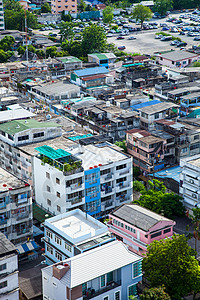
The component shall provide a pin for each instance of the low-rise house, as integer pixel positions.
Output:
(189, 181)
(107, 272)
(9, 286)
(70, 62)
(16, 220)
(102, 59)
(73, 233)
(177, 58)
(138, 227)
(189, 102)
(176, 94)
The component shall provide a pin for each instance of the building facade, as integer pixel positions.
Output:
(73, 233)
(2, 25)
(57, 6)
(9, 286)
(109, 272)
(138, 227)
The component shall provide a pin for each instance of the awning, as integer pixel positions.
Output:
(27, 247)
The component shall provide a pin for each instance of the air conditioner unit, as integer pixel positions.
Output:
(194, 196)
(191, 181)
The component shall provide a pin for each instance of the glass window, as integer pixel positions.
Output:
(167, 230)
(156, 234)
(49, 234)
(117, 295)
(48, 189)
(3, 284)
(47, 175)
(58, 194)
(137, 269)
(106, 298)
(58, 255)
(132, 290)
(57, 180)
(50, 249)
(68, 247)
(48, 202)
(2, 267)
(103, 281)
(58, 240)
(58, 208)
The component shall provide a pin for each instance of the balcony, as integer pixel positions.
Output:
(3, 221)
(74, 200)
(22, 216)
(122, 186)
(125, 171)
(92, 293)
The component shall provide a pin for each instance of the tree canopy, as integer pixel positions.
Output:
(155, 294)
(108, 14)
(66, 31)
(93, 39)
(141, 13)
(45, 8)
(172, 263)
(156, 199)
(162, 6)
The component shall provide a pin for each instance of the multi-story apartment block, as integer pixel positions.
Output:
(137, 226)
(146, 149)
(15, 134)
(109, 272)
(57, 6)
(9, 287)
(15, 208)
(2, 25)
(95, 178)
(72, 233)
(190, 181)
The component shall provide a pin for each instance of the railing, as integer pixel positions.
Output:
(2, 222)
(91, 293)
(22, 216)
(74, 171)
(74, 200)
(124, 172)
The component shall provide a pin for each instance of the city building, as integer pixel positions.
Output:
(16, 220)
(138, 227)
(102, 59)
(57, 6)
(2, 25)
(9, 286)
(109, 272)
(189, 181)
(72, 233)
(177, 58)
(94, 178)
(70, 62)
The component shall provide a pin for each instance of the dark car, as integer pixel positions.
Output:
(181, 44)
(121, 47)
(120, 37)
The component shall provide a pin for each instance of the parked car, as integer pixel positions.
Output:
(131, 38)
(120, 38)
(121, 47)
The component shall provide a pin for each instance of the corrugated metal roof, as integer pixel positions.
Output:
(144, 104)
(91, 71)
(93, 77)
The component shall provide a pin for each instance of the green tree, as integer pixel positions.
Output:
(88, 8)
(156, 199)
(196, 64)
(4, 56)
(162, 6)
(108, 14)
(40, 53)
(51, 51)
(138, 186)
(93, 39)
(122, 144)
(7, 42)
(66, 31)
(12, 5)
(155, 294)
(172, 263)
(81, 6)
(21, 50)
(45, 8)
(16, 19)
(66, 17)
(141, 13)
(195, 217)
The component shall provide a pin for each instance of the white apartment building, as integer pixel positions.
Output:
(190, 181)
(9, 287)
(16, 220)
(94, 178)
(2, 25)
(72, 233)
(16, 134)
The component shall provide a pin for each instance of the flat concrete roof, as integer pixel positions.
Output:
(9, 181)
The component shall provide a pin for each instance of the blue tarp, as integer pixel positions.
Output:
(172, 173)
(91, 71)
(144, 104)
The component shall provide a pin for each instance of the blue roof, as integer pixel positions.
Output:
(91, 71)
(144, 104)
(172, 173)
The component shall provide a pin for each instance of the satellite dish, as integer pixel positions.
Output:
(48, 117)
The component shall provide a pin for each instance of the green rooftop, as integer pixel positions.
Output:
(52, 153)
(100, 56)
(69, 59)
(16, 126)
(39, 214)
(76, 100)
(78, 137)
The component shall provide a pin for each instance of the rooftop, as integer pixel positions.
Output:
(76, 226)
(172, 173)
(94, 263)
(57, 88)
(5, 245)
(15, 114)
(69, 59)
(149, 110)
(178, 55)
(103, 55)
(14, 127)
(9, 181)
(138, 216)
(151, 139)
(91, 71)
(190, 96)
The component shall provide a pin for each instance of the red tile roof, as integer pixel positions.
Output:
(93, 77)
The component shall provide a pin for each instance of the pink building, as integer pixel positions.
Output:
(57, 6)
(177, 58)
(137, 226)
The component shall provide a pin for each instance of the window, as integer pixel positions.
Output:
(23, 138)
(137, 269)
(129, 228)
(156, 116)
(121, 167)
(155, 234)
(184, 150)
(184, 62)
(48, 202)
(103, 281)
(2, 267)
(196, 137)
(84, 288)
(58, 208)
(68, 247)
(105, 298)
(58, 255)
(109, 277)
(167, 230)
(132, 290)
(50, 249)
(57, 180)
(49, 234)
(38, 134)
(48, 189)
(3, 284)
(47, 175)
(117, 295)
(58, 194)
(58, 240)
